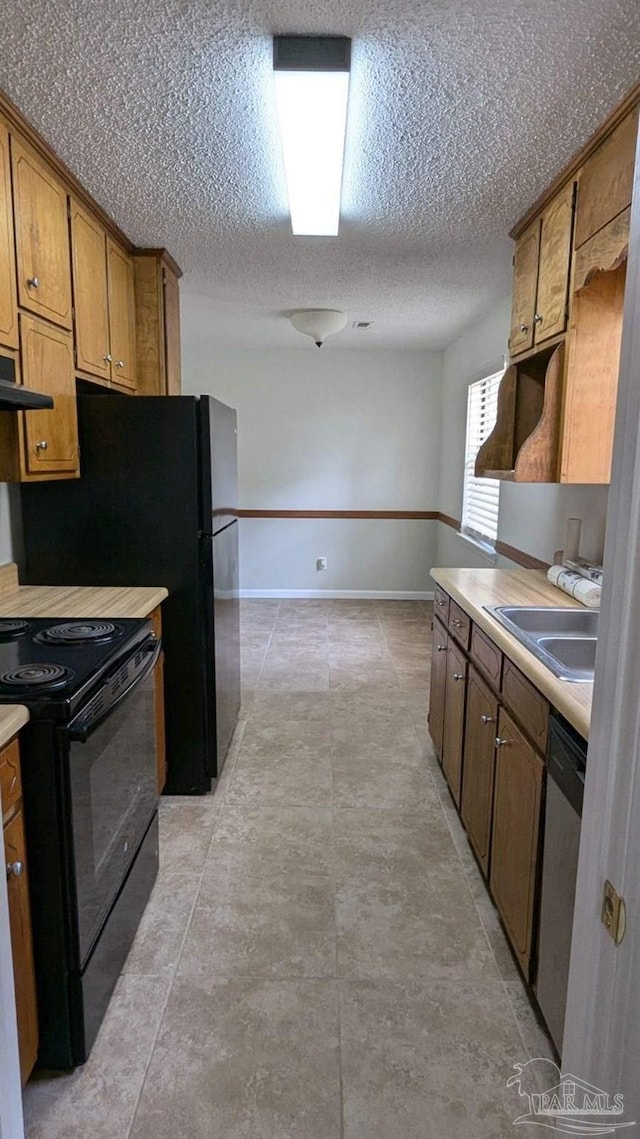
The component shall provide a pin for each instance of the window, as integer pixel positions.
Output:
(481, 496)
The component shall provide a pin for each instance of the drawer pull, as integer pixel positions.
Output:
(442, 648)
(501, 743)
(487, 719)
(33, 282)
(456, 624)
(458, 676)
(15, 869)
(41, 445)
(440, 602)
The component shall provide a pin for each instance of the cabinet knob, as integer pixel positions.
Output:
(15, 869)
(501, 743)
(119, 363)
(33, 282)
(538, 319)
(107, 359)
(439, 602)
(456, 624)
(41, 445)
(458, 676)
(524, 327)
(442, 648)
(487, 719)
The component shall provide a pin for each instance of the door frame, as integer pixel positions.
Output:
(602, 1030)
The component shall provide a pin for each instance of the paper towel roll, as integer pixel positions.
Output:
(587, 592)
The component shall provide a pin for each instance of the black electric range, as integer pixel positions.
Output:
(90, 789)
(52, 665)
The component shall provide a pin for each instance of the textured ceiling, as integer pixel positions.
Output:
(460, 113)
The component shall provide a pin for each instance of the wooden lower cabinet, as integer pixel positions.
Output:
(517, 805)
(19, 912)
(437, 686)
(476, 803)
(453, 729)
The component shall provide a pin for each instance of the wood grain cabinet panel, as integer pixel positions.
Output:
(8, 293)
(519, 779)
(437, 686)
(459, 625)
(454, 708)
(486, 656)
(172, 355)
(527, 704)
(88, 245)
(51, 437)
(476, 803)
(606, 181)
(42, 237)
(21, 944)
(525, 284)
(121, 316)
(553, 272)
(10, 778)
(157, 294)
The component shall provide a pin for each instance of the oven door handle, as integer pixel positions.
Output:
(80, 729)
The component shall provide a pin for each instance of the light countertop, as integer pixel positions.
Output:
(75, 601)
(12, 718)
(475, 588)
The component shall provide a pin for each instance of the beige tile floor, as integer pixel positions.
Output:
(319, 958)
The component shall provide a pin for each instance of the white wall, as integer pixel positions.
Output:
(328, 430)
(6, 544)
(531, 516)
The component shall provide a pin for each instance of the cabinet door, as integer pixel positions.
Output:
(606, 181)
(476, 804)
(555, 259)
(51, 437)
(525, 283)
(8, 296)
(437, 686)
(453, 733)
(121, 315)
(21, 944)
(171, 291)
(515, 835)
(42, 238)
(89, 259)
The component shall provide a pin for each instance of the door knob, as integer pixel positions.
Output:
(33, 282)
(15, 869)
(41, 445)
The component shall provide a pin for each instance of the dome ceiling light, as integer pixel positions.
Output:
(318, 323)
(312, 90)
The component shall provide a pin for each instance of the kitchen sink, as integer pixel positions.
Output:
(562, 639)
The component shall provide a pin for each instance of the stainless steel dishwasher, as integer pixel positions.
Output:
(566, 765)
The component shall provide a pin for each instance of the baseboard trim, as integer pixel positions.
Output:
(341, 594)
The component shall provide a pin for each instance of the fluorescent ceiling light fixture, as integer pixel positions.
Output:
(312, 91)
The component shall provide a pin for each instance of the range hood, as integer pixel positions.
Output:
(15, 397)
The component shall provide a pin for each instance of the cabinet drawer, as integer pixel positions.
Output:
(486, 656)
(459, 624)
(441, 604)
(10, 784)
(530, 709)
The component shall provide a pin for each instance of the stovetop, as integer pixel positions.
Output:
(51, 665)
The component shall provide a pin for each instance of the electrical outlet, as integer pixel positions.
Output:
(321, 563)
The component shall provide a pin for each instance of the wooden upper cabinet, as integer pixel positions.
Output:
(550, 318)
(121, 315)
(525, 284)
(88, 245)
(8, 295)
(606, 181)
(157, 294)
(51, 436)
(42, 237)
(519, 779)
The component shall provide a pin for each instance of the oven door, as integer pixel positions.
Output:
(113, 786)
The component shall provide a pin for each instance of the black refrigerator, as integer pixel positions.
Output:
(156, 505)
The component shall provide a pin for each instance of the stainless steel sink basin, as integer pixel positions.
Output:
(539, 620)
(562, 639)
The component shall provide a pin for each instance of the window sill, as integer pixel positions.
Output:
(489, 552)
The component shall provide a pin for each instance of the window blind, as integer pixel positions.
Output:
(481, 496)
